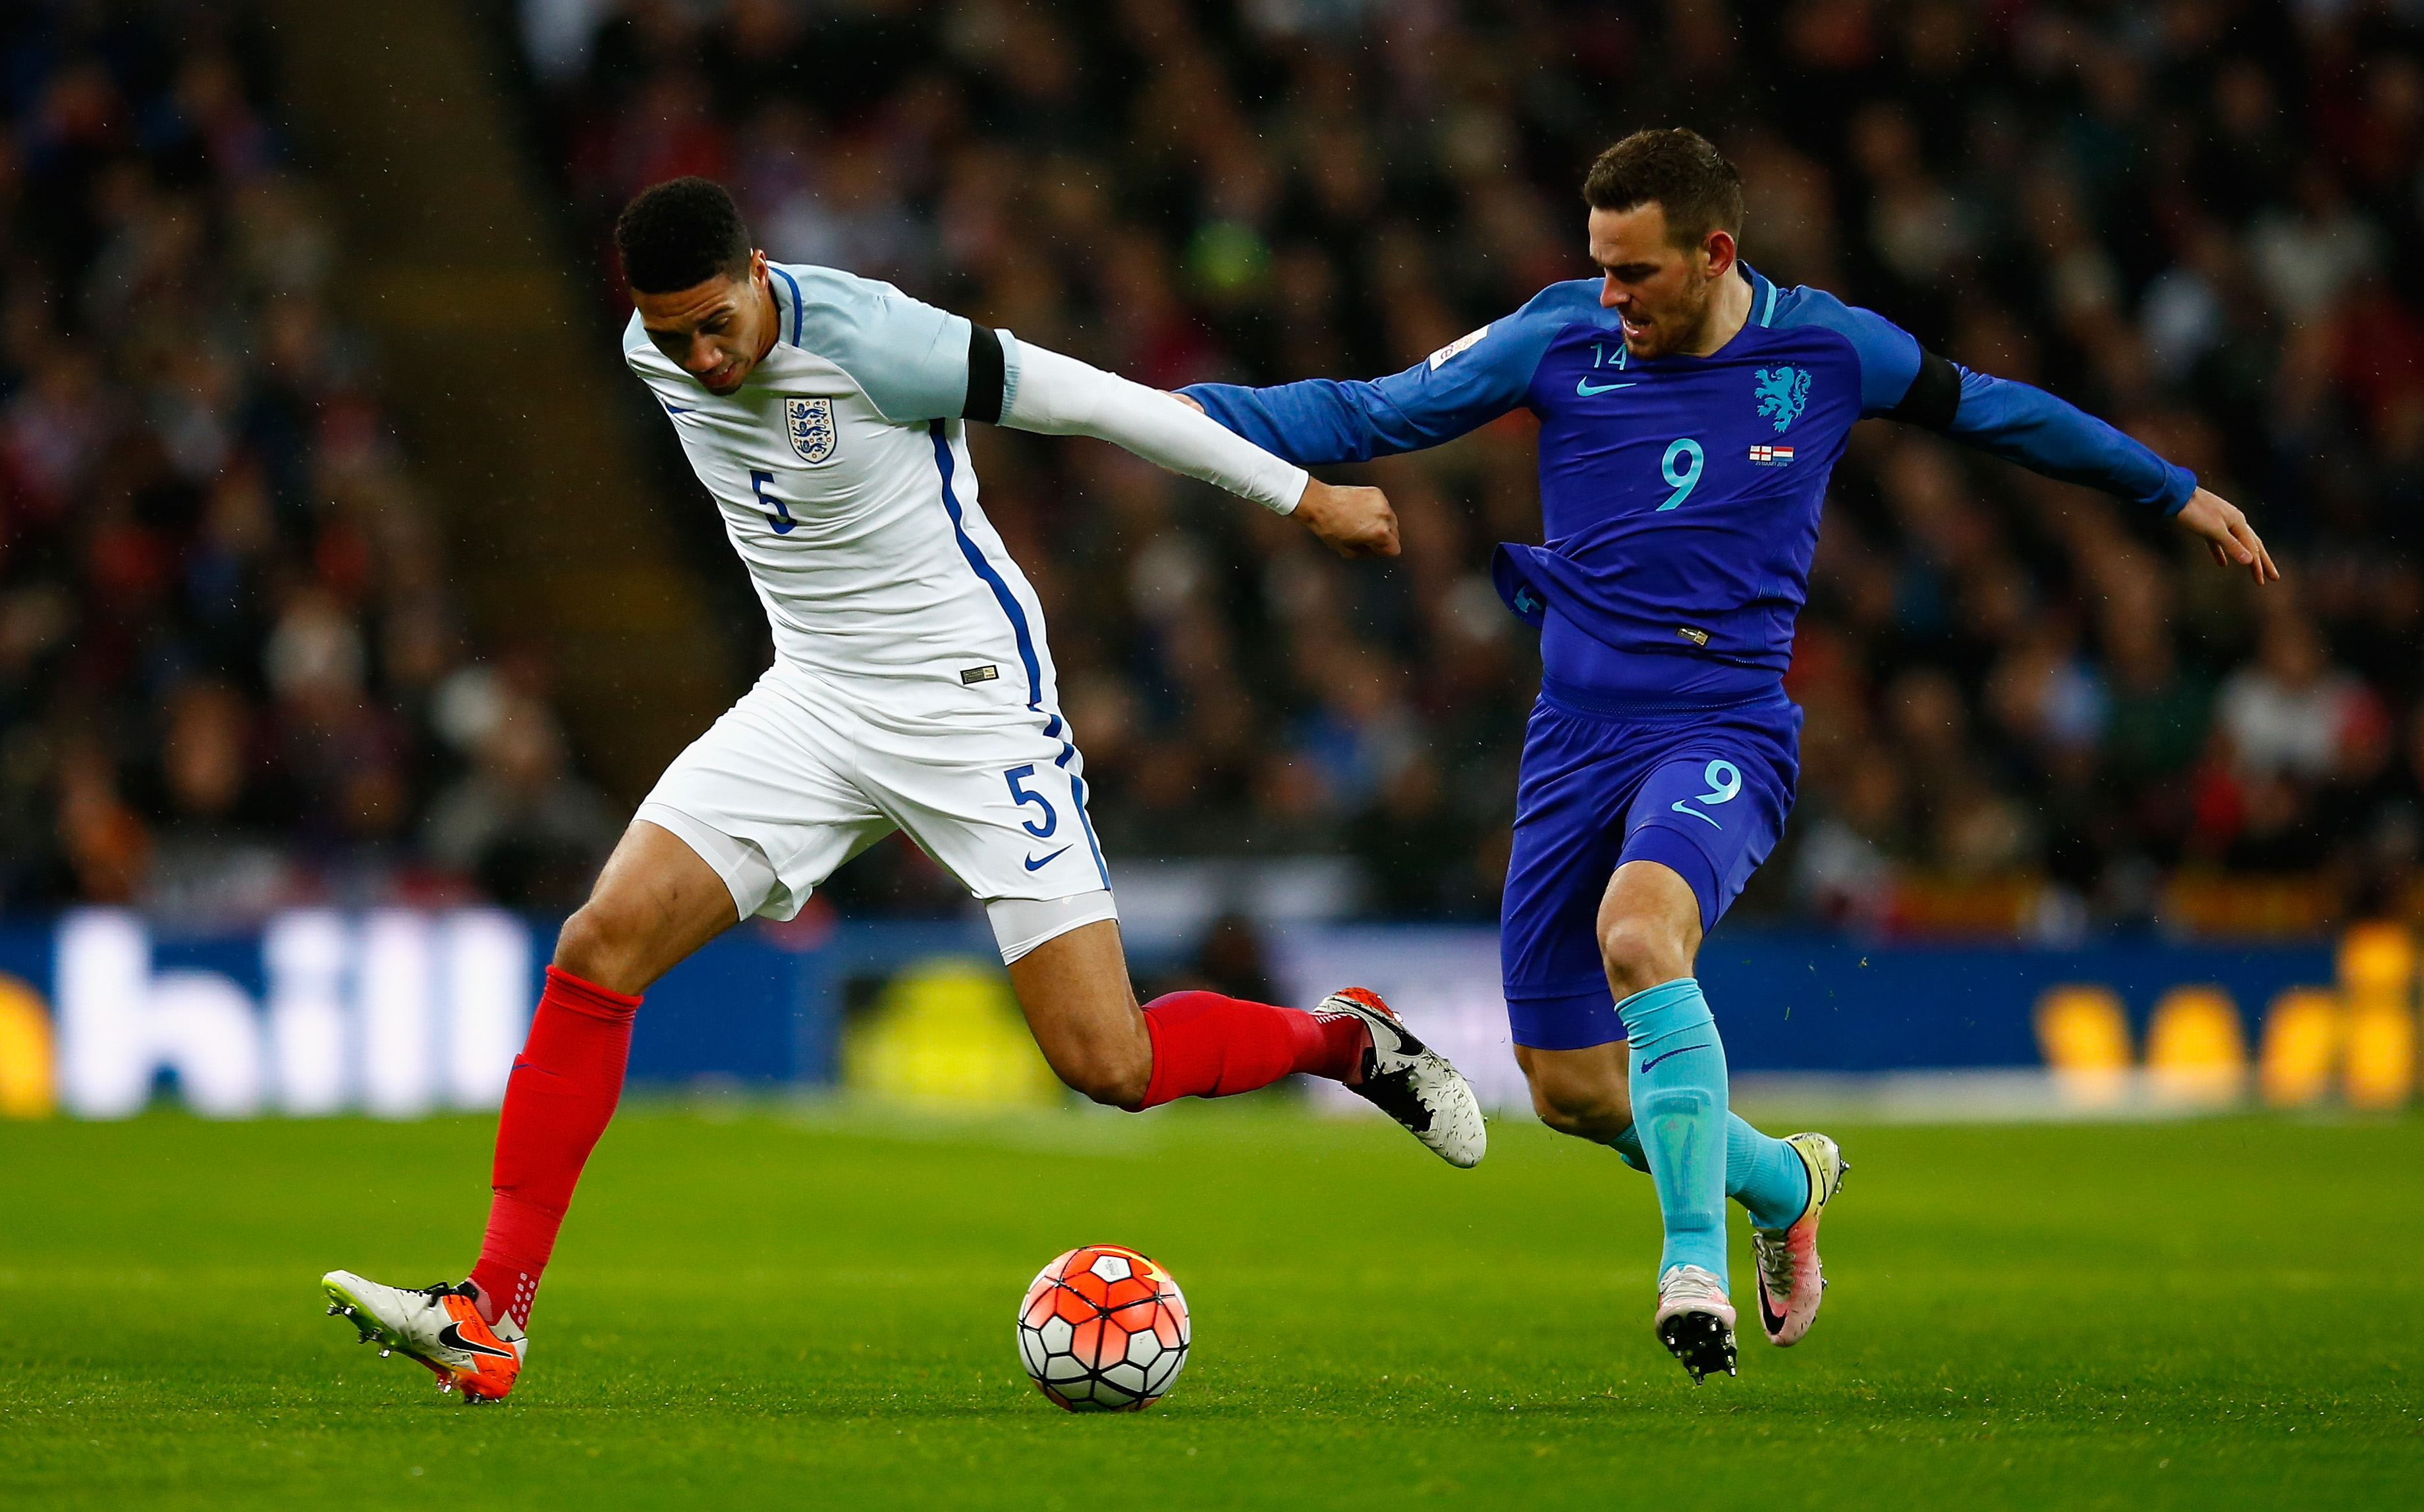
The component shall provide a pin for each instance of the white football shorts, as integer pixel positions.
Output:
(803, 773)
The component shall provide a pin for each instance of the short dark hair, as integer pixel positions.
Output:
(680, 233)
(1678, 169)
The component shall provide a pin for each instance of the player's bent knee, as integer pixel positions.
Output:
(1112, 1076)
(1642, 950)
(599, 944)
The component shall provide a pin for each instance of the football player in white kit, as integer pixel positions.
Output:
(912, 690)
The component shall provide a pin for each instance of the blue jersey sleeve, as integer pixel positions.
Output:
(1998, 416)
(2028, 425)
(1461, 387)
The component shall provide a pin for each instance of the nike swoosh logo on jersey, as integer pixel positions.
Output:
(1654, 1059)
(1585, 388)
(451, 1337)
(1039, 863)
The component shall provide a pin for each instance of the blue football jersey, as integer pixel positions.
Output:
(1680, 496)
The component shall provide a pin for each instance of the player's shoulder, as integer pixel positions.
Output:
(1884, 355)
(1804, 307)
(831, 312)
(833, 287)
(1571, 300)
(1513, 341)
(909, 358)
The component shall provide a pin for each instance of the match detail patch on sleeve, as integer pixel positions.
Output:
(1453, 347)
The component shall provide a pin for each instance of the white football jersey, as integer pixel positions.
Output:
(843, 475)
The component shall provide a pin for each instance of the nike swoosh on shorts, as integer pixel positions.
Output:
(1039, 863)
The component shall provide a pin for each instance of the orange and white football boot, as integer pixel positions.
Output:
(1791, 1281)
(439, 1325)
(1412, 1082)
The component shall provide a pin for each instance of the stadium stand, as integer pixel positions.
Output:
(234, 672)
(2029, 710)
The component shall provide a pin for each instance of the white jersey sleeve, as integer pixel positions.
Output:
(910, 358)
(1058, 395)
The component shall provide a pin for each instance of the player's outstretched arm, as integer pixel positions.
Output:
(1350, 522)
(1460, 387)
(1058, 395)
(2020, 423)
(2023, 424)
(2040, 431)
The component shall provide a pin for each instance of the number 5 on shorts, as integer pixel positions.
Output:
(1024, 796)
(1725, 781)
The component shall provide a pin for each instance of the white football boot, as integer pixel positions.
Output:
(1412, 1083)
(1694, 1321)
(439, 1325)
(1792, 1282)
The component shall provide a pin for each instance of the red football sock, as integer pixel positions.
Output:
(563, 1088)
(1207, 1045)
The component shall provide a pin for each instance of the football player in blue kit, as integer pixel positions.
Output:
(1691, 411)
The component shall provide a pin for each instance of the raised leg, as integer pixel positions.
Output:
(1073, 989)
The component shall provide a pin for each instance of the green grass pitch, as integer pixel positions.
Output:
(807, 1309)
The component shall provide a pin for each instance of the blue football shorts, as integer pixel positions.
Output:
(1703, 791)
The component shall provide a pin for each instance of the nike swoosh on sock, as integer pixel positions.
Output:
(1654, 1059)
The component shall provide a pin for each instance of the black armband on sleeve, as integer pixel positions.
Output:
(984, 375)
(1934, 396)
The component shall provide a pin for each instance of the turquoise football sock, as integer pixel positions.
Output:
(1762, 1172)
(1765, 1175)
(1678, 1080)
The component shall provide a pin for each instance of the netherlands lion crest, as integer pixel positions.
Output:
(809, 424)
(1781, 394)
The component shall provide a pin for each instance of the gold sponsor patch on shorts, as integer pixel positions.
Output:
(1698, 637)
(975, 675)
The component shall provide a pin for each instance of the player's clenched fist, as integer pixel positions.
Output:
(1350, 522)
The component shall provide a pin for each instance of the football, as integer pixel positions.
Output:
(1103, 1329)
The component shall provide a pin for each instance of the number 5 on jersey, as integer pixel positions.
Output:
(780, 515)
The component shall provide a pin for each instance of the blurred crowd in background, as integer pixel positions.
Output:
(230, 667)
(2028, 706)
(231, 675)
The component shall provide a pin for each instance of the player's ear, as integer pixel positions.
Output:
(1718, 247)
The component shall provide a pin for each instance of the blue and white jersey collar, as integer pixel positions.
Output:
(790, 307)
(1763, 296)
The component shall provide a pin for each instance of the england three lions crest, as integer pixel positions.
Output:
(809, 424)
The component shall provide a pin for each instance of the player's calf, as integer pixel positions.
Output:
(1073, 989)
(1579, 1092)
(1113, 1073)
